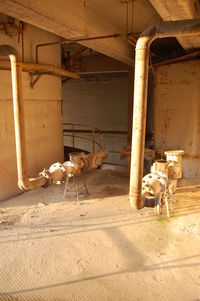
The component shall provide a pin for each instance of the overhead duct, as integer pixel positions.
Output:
(181, 28)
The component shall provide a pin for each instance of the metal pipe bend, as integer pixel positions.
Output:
(24, 182)
(159, 30)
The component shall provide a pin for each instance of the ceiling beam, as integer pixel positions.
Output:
(100, 63)
(70, 20)
(171, 10)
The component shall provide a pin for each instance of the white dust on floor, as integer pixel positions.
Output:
(101, 249)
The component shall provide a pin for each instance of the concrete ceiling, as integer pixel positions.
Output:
(171, 10)
(72, 19)
(84, 18)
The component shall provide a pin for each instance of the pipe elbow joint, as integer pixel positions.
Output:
(23, 184)
(27, 184)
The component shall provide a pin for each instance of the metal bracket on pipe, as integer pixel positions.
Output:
(35, 77)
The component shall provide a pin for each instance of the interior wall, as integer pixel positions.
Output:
(177, 112)
(101, 102)
(42, 113)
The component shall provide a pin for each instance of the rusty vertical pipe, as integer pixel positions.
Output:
(93, 141)
(160, 30)
(101, 141)
(73, 142)
(18, 110)
(139, 126)
(24, 182)
(20, 139)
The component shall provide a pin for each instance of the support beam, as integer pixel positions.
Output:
(171, 10)
(72, 19)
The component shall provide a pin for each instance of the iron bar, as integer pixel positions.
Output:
(72, 42)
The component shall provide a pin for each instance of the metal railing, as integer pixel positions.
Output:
(72, 129)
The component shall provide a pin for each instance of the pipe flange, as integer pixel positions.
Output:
(57, 172)
(46, 174)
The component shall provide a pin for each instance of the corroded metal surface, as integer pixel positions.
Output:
(160, 30)
(177, 112)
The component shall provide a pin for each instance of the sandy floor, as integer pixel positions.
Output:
(54, 249)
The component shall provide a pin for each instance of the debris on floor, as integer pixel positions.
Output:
(102, 249)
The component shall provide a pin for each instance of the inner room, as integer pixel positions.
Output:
(100, 155)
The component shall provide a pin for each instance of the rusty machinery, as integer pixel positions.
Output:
(161, 182)
(59, 173)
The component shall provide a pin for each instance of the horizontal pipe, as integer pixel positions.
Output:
(41, 68)
(181, 28)
(50, 69)
(24, 182)
(72, 42)
(80, 125)
(182, 58)
(128, 38)
(83, 138)
(95, 131)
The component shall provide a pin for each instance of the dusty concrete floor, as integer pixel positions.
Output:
(54, 249)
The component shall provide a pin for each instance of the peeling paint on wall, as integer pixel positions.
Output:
(42, 115)
(177, 112)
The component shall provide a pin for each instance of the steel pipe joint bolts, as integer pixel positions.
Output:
(162, 180)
